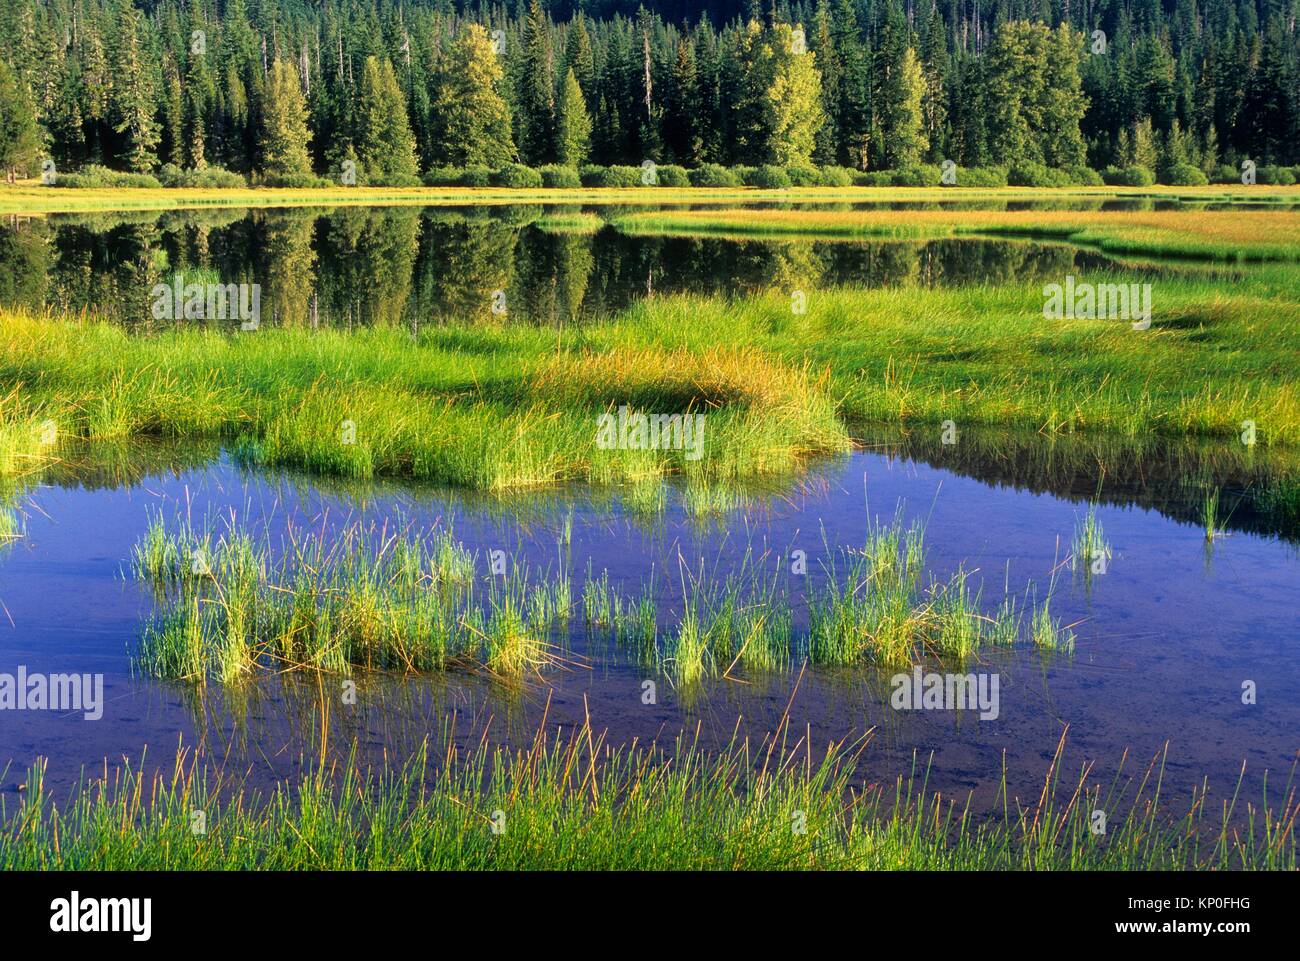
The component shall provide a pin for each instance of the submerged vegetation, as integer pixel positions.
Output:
(575, 802)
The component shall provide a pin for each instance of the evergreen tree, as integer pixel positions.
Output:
(469, 119)
(1014, 89)
(1063, 104)
(384, 143)
(134, 97)
(682, 110)
(537, 91)
(573, 125)
(903, 120)
(578, 57)
(793, 100)
(284, 133)
(20, 139)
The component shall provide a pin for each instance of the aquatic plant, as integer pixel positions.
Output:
(1089, 548)
(362, 598)
(230, 606)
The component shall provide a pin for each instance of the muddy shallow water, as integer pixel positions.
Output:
(1166, 636)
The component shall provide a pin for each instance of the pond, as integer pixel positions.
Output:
(1168, 630)
(1165, 636)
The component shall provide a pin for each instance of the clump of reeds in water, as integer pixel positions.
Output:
(1215, 526)
(1089, 550)
(11, 523)
(230, 607)
(874, 606)
(402, 602)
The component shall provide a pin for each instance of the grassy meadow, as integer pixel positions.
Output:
(500, 406)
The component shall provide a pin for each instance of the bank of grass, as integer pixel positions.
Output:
(507, 407)
(30, 197)
(577, 222)
(1232, 235)
(576, 803)
(1215, 356)
(480, 408)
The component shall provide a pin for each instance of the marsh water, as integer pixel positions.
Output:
(414, 266)
(1166, 635)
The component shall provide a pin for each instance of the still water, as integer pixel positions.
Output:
(1166, 637)
(410, 266)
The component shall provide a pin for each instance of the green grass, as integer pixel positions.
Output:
(30, 198)
(570, 223)
(1227, 235)
(231, 606)
(1089, 546)
(1211, 520)
(577, 803)
(507, 407)
(485, 409)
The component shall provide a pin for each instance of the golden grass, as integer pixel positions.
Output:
(29, 197)
(1213, 232)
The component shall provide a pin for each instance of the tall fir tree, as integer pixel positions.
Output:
(537, 89)
(284, 133)
(573, 125)
(384, 143)
(469, 118)
(133, 93)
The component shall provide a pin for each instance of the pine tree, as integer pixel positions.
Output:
(905, 142)
(793, 114)
(173, 141)
(384, 142)
(573, 125)
(470, 120)
(284, 133)
(852, 116)
(1014, 85)
(578, 57)
(537, 91)
(832, 70)
(934, 68)
(1063, 104)
(682, 108)
(132, 92)
(20, 139)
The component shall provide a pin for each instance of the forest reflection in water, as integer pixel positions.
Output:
(412, 266)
